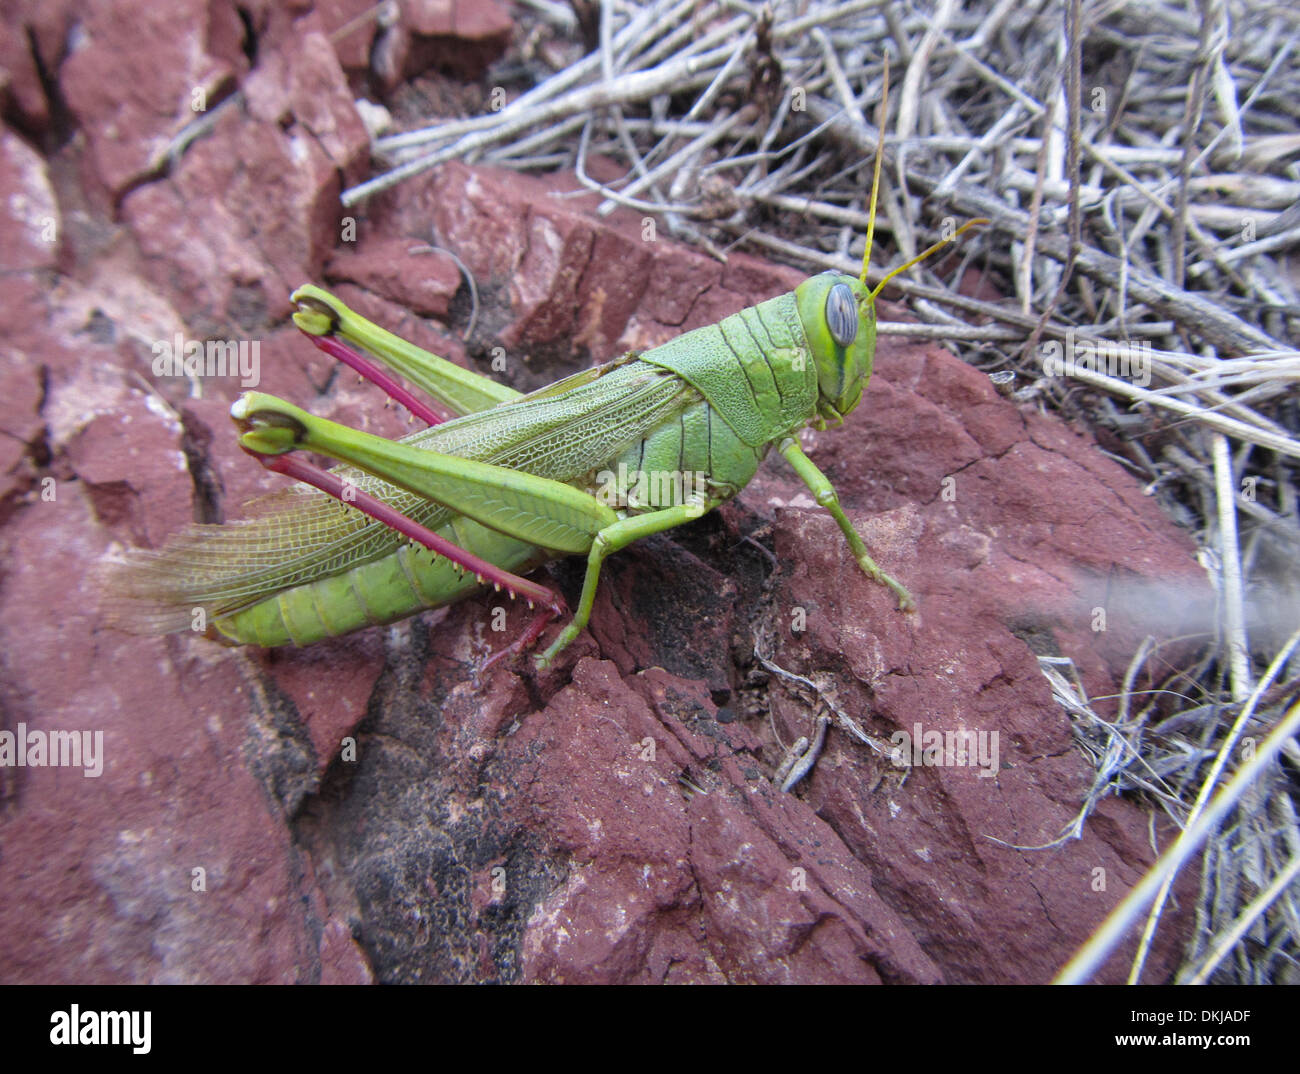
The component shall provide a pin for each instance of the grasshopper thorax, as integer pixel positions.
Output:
(839, 320)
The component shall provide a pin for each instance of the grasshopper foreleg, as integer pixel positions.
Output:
(824, 493)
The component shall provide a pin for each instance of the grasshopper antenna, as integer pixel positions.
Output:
(881, 117)
(978, 221)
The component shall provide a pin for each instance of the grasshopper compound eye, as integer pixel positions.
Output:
(842, 314)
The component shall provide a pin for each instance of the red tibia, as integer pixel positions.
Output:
(336, 348)
(528, 637)
(345, 492)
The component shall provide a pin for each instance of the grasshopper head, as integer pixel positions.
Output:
(839, 320)
(839, 312)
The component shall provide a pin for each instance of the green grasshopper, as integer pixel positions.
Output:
(514, 480)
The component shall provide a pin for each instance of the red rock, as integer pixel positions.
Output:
(341, 958)
(38, 35)
(269, 215)
(118, 898)
(352, 46)
(256, 202)
(134, 471)
(23, 313)
(405, 271)
(48, 22)
(461, 37)
(468, 19)
(21, 92)
(326, 693)
(32, 222)
(306, 86)
(133, 101)
(567, 277)
(20, 424)
(643, 851)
